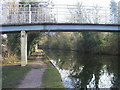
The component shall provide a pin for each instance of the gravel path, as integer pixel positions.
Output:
(33, 79)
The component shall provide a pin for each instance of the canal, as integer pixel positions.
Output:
(86, 71)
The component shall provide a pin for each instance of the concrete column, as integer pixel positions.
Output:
(23, 48)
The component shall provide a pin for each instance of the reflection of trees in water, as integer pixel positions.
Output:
(91, 66)
(116, 78)
(65, 60)
(83, 67)
(113, 63)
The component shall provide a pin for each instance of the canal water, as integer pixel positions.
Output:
(86, 71)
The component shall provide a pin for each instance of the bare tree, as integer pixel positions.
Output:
(83, 14)
(114, 12)
(119, 12)
(39, 12)
(77, 14)
(28, 12)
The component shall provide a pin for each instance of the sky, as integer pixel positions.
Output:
(104, 3)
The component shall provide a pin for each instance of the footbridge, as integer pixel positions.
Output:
(41, 17)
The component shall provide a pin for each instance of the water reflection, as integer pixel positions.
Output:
(86, 71)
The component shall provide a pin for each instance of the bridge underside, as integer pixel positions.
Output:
(61, 27)
(53, 28)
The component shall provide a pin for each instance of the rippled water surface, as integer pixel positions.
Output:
(86, 71)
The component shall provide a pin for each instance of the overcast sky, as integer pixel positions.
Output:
(103, 3)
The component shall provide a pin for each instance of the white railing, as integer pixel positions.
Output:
(37, 13)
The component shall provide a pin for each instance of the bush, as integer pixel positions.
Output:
(12, 59)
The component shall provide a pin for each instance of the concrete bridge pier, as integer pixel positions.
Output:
(23, 48)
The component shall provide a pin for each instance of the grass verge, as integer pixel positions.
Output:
(51, 78)
(12, 75)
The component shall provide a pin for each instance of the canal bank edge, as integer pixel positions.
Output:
(51, 77)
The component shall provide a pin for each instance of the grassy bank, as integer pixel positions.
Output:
(12, 75)
(51, 78)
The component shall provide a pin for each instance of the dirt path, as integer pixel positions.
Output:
(33, 79)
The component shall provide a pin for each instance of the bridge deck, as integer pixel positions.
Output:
(60, 27)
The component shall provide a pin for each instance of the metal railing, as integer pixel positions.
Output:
(37, 13)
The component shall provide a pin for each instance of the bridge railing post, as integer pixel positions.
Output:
(30, 13)
(23, 48)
